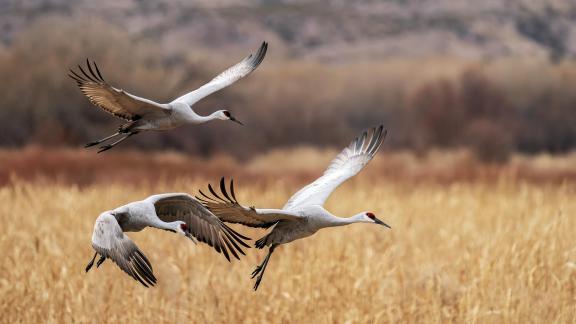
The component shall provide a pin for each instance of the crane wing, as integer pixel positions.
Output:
(112, 100)
(109, 240)
(202, 224)
(346, 164)
(226, 78)
(226, 207)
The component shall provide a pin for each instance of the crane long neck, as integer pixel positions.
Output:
(341, 221)
(198, 119)
(158, 223)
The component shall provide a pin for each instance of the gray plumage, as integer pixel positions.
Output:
(174, 212)
(303, 214)
(146, 115)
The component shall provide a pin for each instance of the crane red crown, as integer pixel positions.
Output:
(371, 215)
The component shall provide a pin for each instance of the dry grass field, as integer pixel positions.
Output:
(500, 248)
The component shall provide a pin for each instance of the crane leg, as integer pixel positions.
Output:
(109, 146)
(91, 262)
(100, 261)
(102, 140)
(259, 271)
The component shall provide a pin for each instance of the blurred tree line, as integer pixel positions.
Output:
(492, 107)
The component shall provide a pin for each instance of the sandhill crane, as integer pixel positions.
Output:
(303, 214)
(145, 115)
(175, 212)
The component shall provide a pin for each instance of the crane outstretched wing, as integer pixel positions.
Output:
(346, 164)
(202, 224)
(226, 207)
(226, 78)
(109, 240)
(112, 100)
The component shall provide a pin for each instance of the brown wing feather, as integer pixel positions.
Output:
(114, 101)
(226, 207)
(202, 224)
(109, 241)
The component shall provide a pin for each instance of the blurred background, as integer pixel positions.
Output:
(492, 77)
(477, 176)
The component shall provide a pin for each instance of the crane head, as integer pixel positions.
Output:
(180, 227)
(226, 115)
(372, 219)
(185, 230)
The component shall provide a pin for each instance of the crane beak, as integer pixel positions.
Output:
(379, 222)
(236, 120)
(189, 235)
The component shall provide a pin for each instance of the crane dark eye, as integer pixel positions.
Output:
(226, 113)
(370, 215)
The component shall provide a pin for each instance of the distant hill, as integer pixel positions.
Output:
(492, 76)
(334, 30)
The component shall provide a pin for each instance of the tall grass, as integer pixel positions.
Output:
(80, 167)
(465, 251)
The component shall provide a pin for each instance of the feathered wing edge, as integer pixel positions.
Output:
(134, 263)
(227, 77)
(226, 207)
(346, 164)
(84, 83)
(229, 240)
(110, 242)
(360, 146)
(114, 101)
(203, 225)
